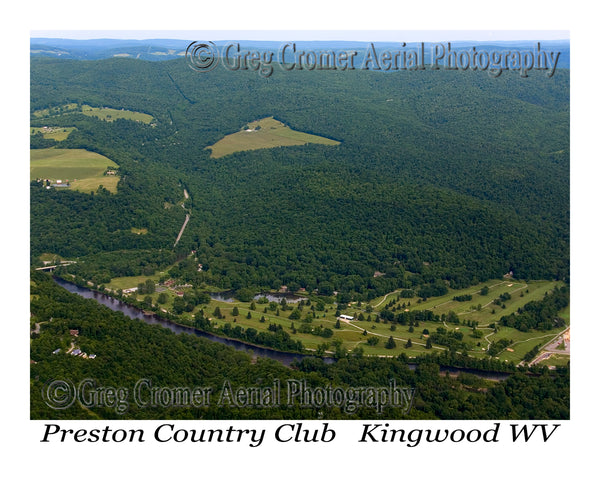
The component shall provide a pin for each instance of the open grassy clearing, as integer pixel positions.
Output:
(556, 360)
(84, 170)
(264, 133)
(130, 282)
(47, 112)
(51, 258)
(54, 133)
(112, 114)
(103, 113)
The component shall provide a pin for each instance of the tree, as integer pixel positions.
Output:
(244, 294)
(428, 343)
(408, 344)
(179, 306)
(162, 298)
(235, 312)
(390, 344)
(150, 288)
(337, 324)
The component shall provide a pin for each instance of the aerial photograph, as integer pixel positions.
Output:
(290, 227)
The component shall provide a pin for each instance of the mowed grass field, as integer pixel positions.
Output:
(272, 133)
(83, 169)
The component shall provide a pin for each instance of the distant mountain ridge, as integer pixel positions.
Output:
(168, 49)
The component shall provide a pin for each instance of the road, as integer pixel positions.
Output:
(187, 217)
(553, 346)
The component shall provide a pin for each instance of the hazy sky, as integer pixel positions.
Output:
(278, 35)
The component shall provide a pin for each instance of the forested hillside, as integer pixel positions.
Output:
(440, 175)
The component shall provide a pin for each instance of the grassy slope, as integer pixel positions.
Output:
(55, 133)
(85, 170)
(104, 113)
(272, 133)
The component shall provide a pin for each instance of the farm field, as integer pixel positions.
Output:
(103, 113)
(112, 114)
(83, 169)
(54, 133)
(371, 334)
(264, 133)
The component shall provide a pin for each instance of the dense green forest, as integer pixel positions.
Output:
(127, 351)
(440, 176)
(442, 180)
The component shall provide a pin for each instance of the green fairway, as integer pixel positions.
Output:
(264, 133)
(83, 170)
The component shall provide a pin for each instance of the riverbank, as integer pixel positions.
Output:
(287, 358)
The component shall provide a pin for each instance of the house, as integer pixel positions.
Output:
(346, 317)
(77, 351)
(56, 351)
(74, 332)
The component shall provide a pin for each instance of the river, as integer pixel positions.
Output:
(228, 296)
(282, 357)
(152, 319)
